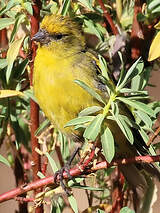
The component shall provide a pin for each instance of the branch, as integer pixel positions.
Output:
(74, 172)
(34, 108)
(108, 18)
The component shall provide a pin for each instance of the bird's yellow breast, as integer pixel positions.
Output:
(58, 95)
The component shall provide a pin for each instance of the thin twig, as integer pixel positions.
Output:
(155, 134)
(75, 172)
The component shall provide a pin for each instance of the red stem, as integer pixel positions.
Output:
(3, 42)
(34, 109)
(117, 195)
(108, 18)
(75, 172)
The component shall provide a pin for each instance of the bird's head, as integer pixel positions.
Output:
(58, 32)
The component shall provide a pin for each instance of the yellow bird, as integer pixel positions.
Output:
(62, 57)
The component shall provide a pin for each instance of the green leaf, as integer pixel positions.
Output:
(40, 174)
(5, 22)
(130, 122)
(52, 162)
(132, 72)
(29, 94)
(42, 127)
(145, 118)
(89, 90)
(100, 211)
(54, 7)
(103, 66)
(64, 146)
(144, 135)
(87, 4)
(78, 186)
(107, 141)
(19, 133)
(127, 90)
(75, 181)
(92, 28)
(153, 4)
(124, 127)
(156, 10)
(3, 63)
(10, 4)
(92, 131)
(126, 210)
(11, 56)
(65, 7)
(90, 110)
(28, 7)
(140, 81)
(79, 120)
(73, 203)
(4, 160)
(19, 20)
(138, 105)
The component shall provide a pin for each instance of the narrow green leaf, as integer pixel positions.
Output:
(28, 7)
(4, 160)
(156, 10)
(130, 122)
(65, 150)
(89, 90)
(145, 118)
(73, 203)
(153, 4)
(123, 71)
(107, 141)
(127, 90)
(129, 75)
(52, 162)
(92, 131)
(42, 126)
(11, 56)
(126, 210)
(5, 22)
(103, 66)
(79, 120)
(137, 97)
(124, 127)
(65, 7)
(138, 105)
(90, 110)
(78, 186)
(144, 135)
(18, 21)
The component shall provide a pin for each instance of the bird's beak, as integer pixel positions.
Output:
(39, 36)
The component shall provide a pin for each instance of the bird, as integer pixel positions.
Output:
(63, 57)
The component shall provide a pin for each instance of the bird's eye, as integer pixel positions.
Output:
(58, 36)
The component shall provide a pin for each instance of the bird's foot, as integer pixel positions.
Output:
(59, 175)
